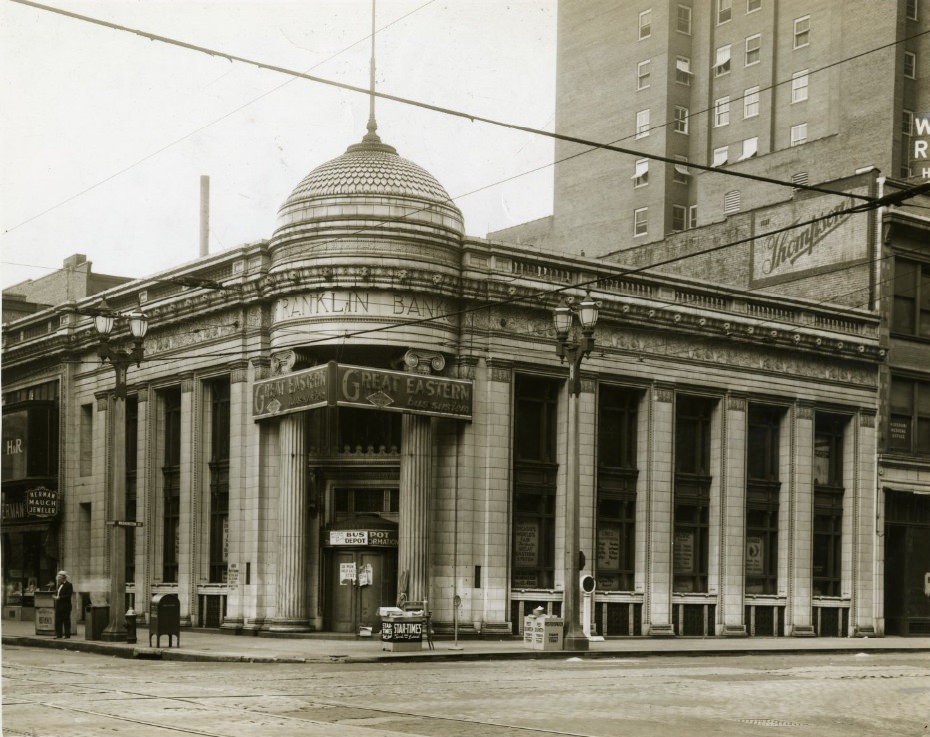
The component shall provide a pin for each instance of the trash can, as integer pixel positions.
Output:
(97, 619)
(165, 618)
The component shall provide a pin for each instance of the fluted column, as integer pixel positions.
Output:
(291, 577)
(415, 478)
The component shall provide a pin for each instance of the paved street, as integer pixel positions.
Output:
(63, 693)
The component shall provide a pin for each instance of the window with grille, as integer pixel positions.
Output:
(645, 24)
(219, 479)
(641, 221)
(534, 490)
(907, 133)
(722, 61)
(692, 493)
(909, 416)
(721, 112)
(751, 102)
(683, 19)
(799, 86)
(828, 504)
(171, 483)
(731, 202)
(802, 31)
(642, 124)
(681, 120)
(616, 490)
(753, 49)
(911, 308)
(762, 489)
(642, 75)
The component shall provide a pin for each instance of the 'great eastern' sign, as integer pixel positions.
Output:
(335, 384)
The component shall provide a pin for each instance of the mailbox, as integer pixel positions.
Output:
(165, 618)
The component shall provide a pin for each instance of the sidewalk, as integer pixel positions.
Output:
(212, 645)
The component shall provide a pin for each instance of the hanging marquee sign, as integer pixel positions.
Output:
(359, 386)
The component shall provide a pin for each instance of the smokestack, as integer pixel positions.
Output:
(204, 214)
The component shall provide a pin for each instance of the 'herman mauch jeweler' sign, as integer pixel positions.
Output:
(359, 386)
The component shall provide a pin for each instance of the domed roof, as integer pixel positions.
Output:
(370, 167)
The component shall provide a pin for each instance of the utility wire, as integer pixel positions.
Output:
(427, 106)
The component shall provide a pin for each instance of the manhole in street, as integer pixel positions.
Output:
(771, 723)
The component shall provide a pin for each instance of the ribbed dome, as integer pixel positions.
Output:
(369, 168)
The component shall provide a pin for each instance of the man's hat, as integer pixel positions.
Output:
(63, 573)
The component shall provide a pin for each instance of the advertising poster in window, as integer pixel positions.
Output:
(684, 551)
(754, 556)
(347, 574)
(608, 548)
(525, 553)
(821, 460)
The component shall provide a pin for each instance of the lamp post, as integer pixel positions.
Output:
(573, 350)
(120, 360)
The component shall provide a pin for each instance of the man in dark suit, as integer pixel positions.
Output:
(62, 597)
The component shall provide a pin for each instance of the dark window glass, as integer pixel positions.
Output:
(909, 416)
(219, 479)
(534, 493)
(171, 483)
(911, 310)
(132, 494)
(368, 431)
(828, 504)
(762, 487)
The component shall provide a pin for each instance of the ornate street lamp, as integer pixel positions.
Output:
(104, 320)
(574, 350)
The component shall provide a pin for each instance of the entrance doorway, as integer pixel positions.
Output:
(358, 583)
(907, 564)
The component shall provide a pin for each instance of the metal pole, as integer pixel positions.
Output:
(574, 638)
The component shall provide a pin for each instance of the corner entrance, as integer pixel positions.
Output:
(360, 564)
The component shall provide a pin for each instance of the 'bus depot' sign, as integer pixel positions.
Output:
(335, 384)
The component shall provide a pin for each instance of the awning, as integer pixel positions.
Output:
(720, 156)
(750, 148)
(723, 57)
(642, 168)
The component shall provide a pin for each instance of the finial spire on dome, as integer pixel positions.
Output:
(372, 135)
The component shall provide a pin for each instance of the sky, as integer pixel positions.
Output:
(104, 134)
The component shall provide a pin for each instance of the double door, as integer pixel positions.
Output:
(359, 582)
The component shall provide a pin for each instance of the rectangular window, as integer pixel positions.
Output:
(799, 86)
(641, 173)
(692, 217)
(683, 70)
(722, 61)
(534, 486)
(171, 484)
(691, 494)
(798, 134)
(219, 479)
(828, 504)
(753, 5)
(642, 124)
(683, 19)
(909, 416)
(753, 49)
(645, 24)
(681, 119)
(762, 489)
(751, 102)
(910, 65)
(911, 310)
(721, 112)
(910, 9)
(681, 174)
(750, 148)
(720, 155)
(641, 221)
(802, 31)
(907, 127)
(642, 75)
(87, 440)
(616, 488)
(679, 218)
(724, 11)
